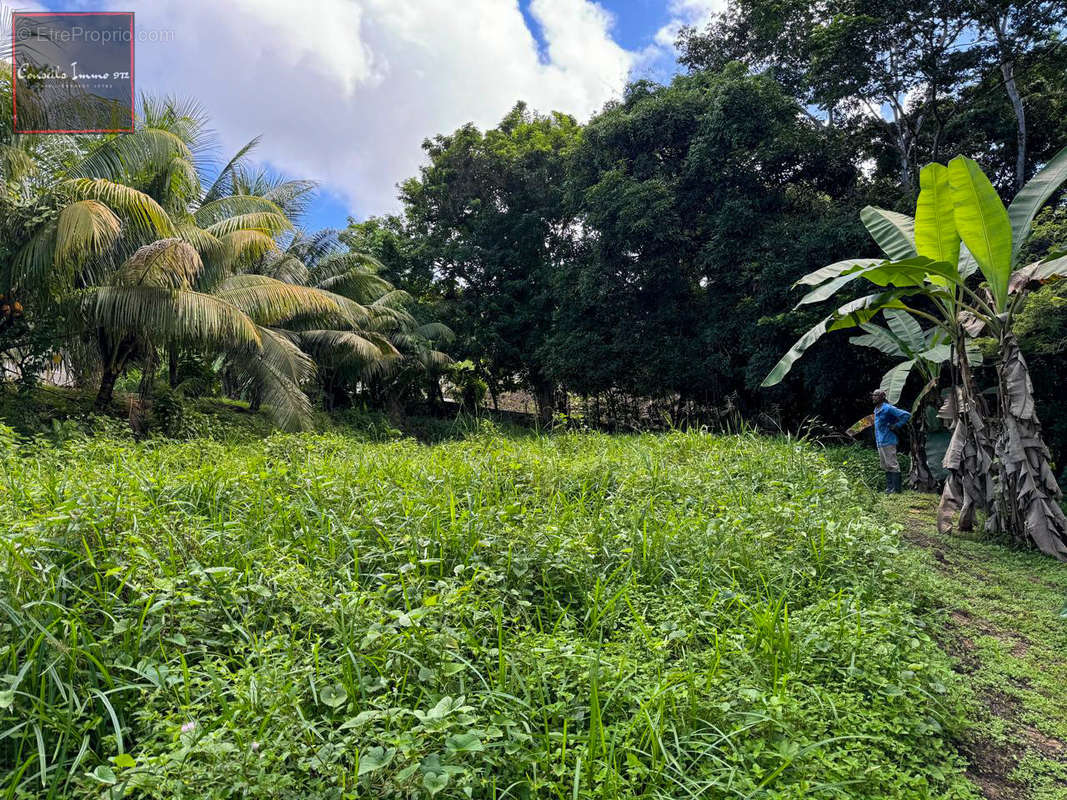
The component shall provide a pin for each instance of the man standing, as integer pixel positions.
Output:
(887, 418)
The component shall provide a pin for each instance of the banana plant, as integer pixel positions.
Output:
(960, 256)
(925, 354)
(918, 352)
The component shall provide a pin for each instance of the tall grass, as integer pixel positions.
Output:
(578, 616)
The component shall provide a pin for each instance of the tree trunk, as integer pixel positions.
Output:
(172, 366)
(1026, 494)
(546, 400)
(107, 389)
(1007, 69)
(920, 479)
(969, 457)
(435, 399)
(139, 409)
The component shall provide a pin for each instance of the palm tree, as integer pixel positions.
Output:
(383, 351)
(128, 237)
(998, 461)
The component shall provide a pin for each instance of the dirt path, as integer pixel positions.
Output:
(1003, 619)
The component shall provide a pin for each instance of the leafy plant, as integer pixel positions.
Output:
(961, 228)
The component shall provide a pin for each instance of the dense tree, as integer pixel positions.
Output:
(889, 92)
(698, 204)
(488, 213)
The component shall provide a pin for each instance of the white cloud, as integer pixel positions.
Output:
(658, 60)
(344, 91)
(687, 12)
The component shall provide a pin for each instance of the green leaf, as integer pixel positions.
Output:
(906, 328)
(901, 274)
(879, 339)
(938, 354)
(434, 782)
(334, 696)
(849, 315)
(893, 382)
(935, 224)
(1031, 197)
(894, 233)
(123, 761)
(833, 270)
(374, 759)
(983, 224)
(105, 775)
(465, 743)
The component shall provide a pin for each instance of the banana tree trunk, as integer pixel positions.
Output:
(1026, 494)
(969, 457)
(920, 479)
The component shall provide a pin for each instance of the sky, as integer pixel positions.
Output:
(344, 91)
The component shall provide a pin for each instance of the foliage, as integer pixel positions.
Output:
(128, 251)
(997, 462)
(488, 212)
(578, 616)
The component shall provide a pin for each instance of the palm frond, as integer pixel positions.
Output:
(333, 263)
(268, 222)
(223, 183)
(246, 245)
(85, 229)
(147, 151)
(436, 332)
(312, 248)
(282, 397)
(357, 284)
(234, 205)
(293, 197)
(285, 356)
(15, 163)
(166, 264)
(282, 265)
(136, 207)
(339, 347)
(272, 302)
(34, 261)
(189, 317)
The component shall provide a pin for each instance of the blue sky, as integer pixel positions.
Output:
(343, 92)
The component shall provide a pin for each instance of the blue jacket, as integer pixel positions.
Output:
(886, 418)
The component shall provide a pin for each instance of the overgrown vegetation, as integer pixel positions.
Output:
(569, 616)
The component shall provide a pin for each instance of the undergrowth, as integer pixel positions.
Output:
(574, 616)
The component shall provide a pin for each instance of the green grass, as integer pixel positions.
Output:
(1002, 613)
(577, 616)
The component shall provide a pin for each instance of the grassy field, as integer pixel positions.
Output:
(575, 616)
